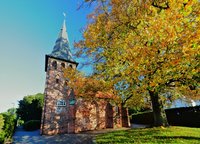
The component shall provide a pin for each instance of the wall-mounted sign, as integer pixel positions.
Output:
(61, 103)
(72, 101)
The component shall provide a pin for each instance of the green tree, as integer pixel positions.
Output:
(7, 124)
(30, 108)
(145, 47)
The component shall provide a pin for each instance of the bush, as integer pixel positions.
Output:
(32, 125)
(9, 123)
(143, 118)
(2, 136)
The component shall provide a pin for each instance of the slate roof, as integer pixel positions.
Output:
(61, 49)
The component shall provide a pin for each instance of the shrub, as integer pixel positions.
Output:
(2, 136)
(143, 118)
(32, 125)
(9, 123)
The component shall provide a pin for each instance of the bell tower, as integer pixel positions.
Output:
(58, 112)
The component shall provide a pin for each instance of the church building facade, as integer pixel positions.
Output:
(63, 111)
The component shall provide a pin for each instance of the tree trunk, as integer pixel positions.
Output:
(160, 118)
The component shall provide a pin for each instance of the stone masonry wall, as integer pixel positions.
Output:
(97, 114)
(55, 119)
(75, 114)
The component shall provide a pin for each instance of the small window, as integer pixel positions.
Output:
(57, 81)
(54, 65)
(62, 65)
(61, 103)
(70, 66)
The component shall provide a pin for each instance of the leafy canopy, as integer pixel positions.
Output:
(30, 108)
(145, 45)
(89, 87)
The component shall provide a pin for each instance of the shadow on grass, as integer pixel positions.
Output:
(177, 137)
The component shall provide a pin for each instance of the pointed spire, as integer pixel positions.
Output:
(63, 32)
(61, 49)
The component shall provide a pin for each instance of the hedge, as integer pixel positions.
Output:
(32, 125)
(189, 116)
(9, 125)
(2, 136)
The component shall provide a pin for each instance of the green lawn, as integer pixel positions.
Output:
(174, 135)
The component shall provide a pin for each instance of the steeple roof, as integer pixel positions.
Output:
(61, 49)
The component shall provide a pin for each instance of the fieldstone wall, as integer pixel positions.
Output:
(57, 119)
(99, 114)
(89, 115)
(65, 113)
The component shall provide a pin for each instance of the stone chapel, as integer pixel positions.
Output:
(63, 111)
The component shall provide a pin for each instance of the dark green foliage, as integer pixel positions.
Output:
(32, 125)
(8, 126)
(189, 116)
(138, 110)
(30, 108)
(2, 136)
(143, 118)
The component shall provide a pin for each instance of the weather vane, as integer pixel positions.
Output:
(64, 14)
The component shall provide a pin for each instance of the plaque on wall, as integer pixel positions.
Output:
(72, 101)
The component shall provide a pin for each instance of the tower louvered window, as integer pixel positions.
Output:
(54, 65)
(62, 65)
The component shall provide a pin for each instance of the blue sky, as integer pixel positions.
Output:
(28, 31)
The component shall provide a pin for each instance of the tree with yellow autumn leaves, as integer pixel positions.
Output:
(145, 48)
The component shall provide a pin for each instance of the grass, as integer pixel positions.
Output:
(173, 135)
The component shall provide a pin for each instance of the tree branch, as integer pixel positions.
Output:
(159, 6)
